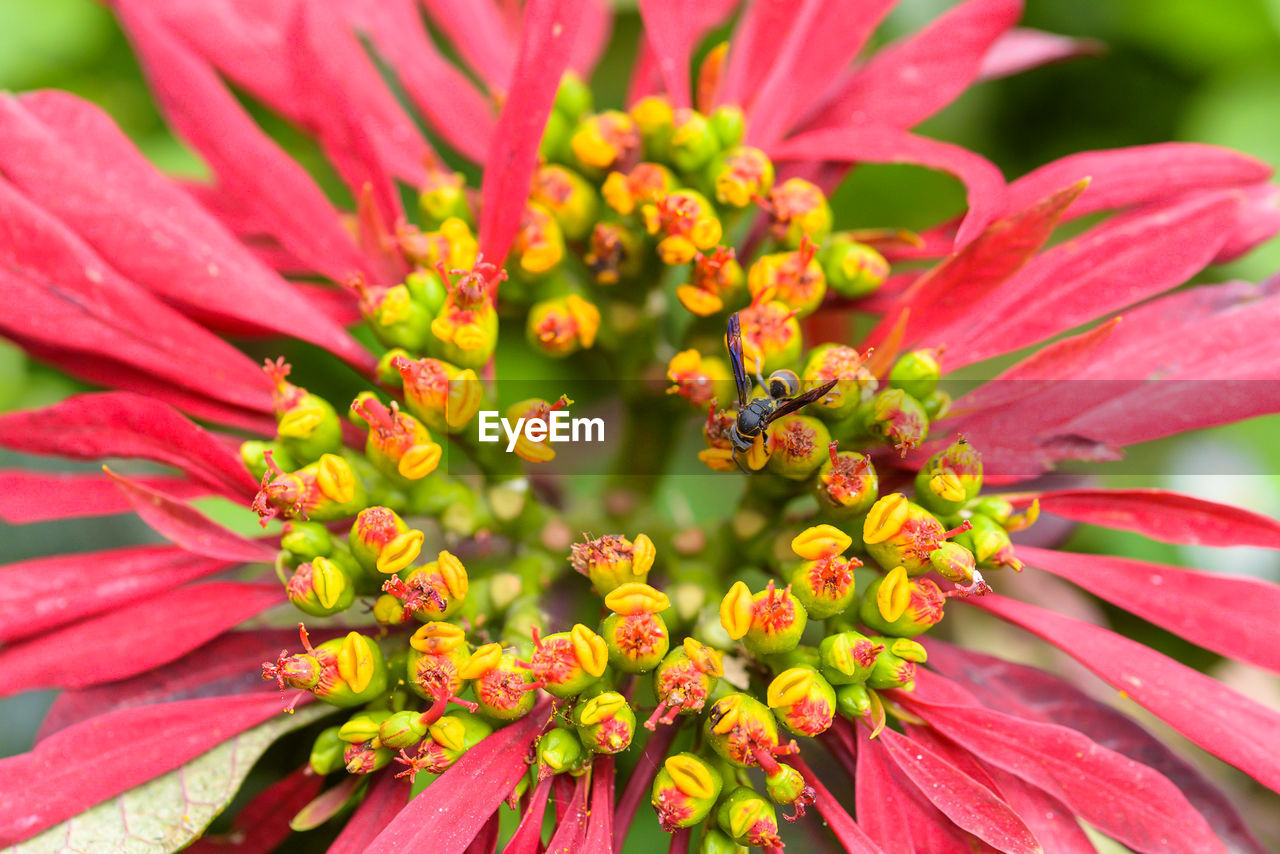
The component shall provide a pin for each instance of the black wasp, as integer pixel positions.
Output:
(756, 414)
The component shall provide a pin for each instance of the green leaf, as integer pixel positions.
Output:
(169, 812)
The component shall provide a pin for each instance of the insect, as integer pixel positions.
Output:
(756, 414)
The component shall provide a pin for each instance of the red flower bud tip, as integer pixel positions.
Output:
(286, 395)
(977, 587)
(695, 376)
(417, 594)
(302, 670)
(805, 799)
(683, 681)
(899, 419)
(613, 252)
(280, 494)
(795, 446)
(848, 481)
(854, 382)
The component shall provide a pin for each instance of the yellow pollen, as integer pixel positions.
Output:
(483, 660)
(355, 661)
(437, 637)
(820, 541)
(790, 687)
(885, 518)
(400, 552)
(690, 776)
(335, 478)
(420, 461)
(894, 594)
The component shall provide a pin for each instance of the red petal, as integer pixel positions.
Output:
(263, 823)
(600, 829)
(851, 836)
(453, 106)
(120, 424)
(1122, 798)
(887, 809)
(912, 79)
(386, 799)
(29, 496)
(1257, 221)
(1228, 725)
(95, 760)
(570, 834)
(40, 594)
(460, 801)
(228, 664)
(1055, 828)
(550, 29)
(486, 840)
(809, 52)
(182, 524)
(1035, 694)
(984, 185)
(1022, 49)
(277, 193)
(1106, 269)
(1128, 176)
(74, 301)
(133, 638)
(594, 31)
(1232, 615)
(364, 132)
(70, 158)
(527, 837)
(959, 797)
(672, 29)
(482, 38)
(1166, 516)
(949, 289)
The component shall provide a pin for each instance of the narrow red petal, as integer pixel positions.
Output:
(570, 834)
(1232, 615)
(550, 29)
(121, 424)
(95, 760)
(1128, 176)
(672, 29)
(600, 829)
(1257, 221)
(911, 80)
(1122, 798)
(851, 836)
(481, 35)
(133, 638)
(965, 801)
(43, 593)
(984, 185)
(1032, 693)
(448, 816)
(30, 496)
(1230, 726)
(386, 799)
(187, 527)
(1167, 516)
(69, 157)
(1104, 270)
(809, 53)
(263, 823)
(486, 841)
(1023, 49)
(455, 109)
(593, 37)
(74, 301)
(1053, 825)
(882, 807)
(290, 207)
(527, 837)
(947, 291)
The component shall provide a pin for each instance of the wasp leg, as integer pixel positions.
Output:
(743, 469)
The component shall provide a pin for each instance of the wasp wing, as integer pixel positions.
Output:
(734, 339)
(800, 401)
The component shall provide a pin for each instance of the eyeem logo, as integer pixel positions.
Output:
(558, 426)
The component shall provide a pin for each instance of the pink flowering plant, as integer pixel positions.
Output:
(441, 656)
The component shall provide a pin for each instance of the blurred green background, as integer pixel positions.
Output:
(1173, 70)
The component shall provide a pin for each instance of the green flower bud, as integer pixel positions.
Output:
(785, 785)
(937, 404)
(562, 326)
(897, 419)
(693, 141)
(770, 334)
(393, 316)
(320, 588)
(402, 729)
(826, 586)
(605, 723)
(899, 606)
(855, 384)
(382, 543)
(741, 175)
(895, 666)
(365, 758)
(990, 543)
(749, 819)
(614, 252)
(306, 540)
(570, 199)
(254, 454)
(436, 654)
(347, 671)
(797, 446)
(847, 483)
(950, 478)
(554, 147)
(767, 623)
(573, 98)
(604, 141)
(504, 689)
(853, 701)
(804, 702)
(917, 373)
(635, 634)
(743, 731)
(956, 563)
(853, 269)
(847, 657)
(655, 118)
(898, 532)
(794, 279)
(362, 727)
(443, 195)
(442, 396)
(613, 560)
(559, 751)
(431, 592)
(684, 791)
(729, 124)
(428, 290)
(326, 752)
(684, 680)
(564, 664)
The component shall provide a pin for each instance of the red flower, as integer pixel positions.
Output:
(127, 279)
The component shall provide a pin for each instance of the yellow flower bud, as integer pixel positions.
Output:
(590, 649)
(885, 518)
(420, 461)
(643, 553)
(894, 594)
(327, 580)
(437, 637)
(449, 733)
(336, 479)
(464, 398)
(355, 661)
(636, 598)
(790, 687)
(736, 610)
(820, 541)
(453, 573)
(690, 776)
(400, 552)
(706, 659)
(483, 660)
(601, 707)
